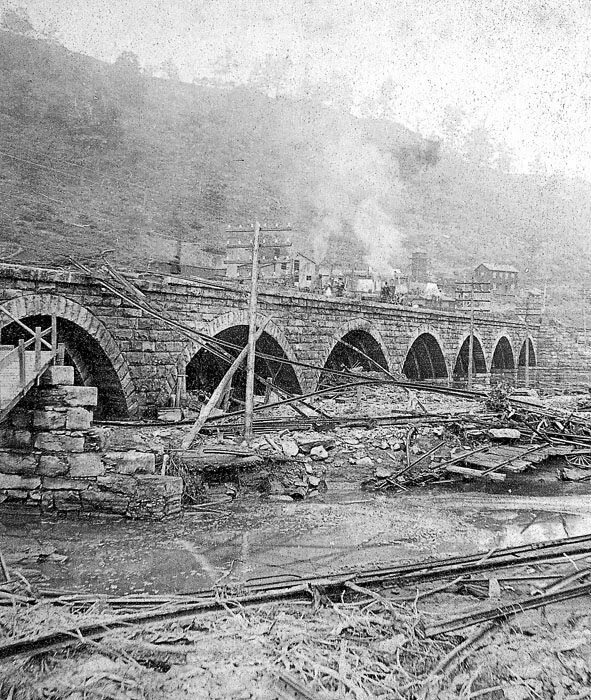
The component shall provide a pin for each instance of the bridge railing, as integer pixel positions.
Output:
(38, 341)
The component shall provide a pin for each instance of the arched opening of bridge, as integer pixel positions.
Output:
(523, 354)
(425, 359)
(502, 367)
(205, 370)
(92, 366)
(460, 372)
(356, 351)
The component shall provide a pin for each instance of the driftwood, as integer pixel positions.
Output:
(476, 473)
(219, 392)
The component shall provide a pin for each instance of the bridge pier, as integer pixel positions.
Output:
(52, 459)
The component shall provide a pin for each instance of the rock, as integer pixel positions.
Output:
(13, 462)
(104, 501)
(383, 473)
(297, 491)
(319, 453)
(58, 375)
(16, 481)
(365, 462)
(52, 465)
(313, 481)
(170, 415)
(570, 474)
(49, 419)
(504, 434)
(280, 497)
(59, 484)
(78, 418)
(56, 442)
(69, 396)
(67, 500)
(275, 487)
(290, 447)
(131, 462)
(85, 464)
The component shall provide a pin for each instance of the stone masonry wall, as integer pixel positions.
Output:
(52, 458)
(147, 355)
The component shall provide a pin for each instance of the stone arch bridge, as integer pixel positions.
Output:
(136, 360)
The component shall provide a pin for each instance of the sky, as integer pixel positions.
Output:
(519, 68)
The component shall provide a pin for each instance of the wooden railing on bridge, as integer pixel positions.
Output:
(21, 366)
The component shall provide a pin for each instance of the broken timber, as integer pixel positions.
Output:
(332, 586)
(219, 391)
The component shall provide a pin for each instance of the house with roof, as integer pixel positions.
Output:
(502, 278)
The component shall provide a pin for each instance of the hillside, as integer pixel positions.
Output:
(95, 156)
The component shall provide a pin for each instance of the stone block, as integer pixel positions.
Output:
(58, 375)
(96, 440)
(78, 419)
(49, 419)
(156, 485)
(14, 462)
(104, 501)
(17, 494)
(21, 419)
(118, 483)
(22, 438)
(131, 462)
(68, 396)
(85, 464)
(59, 442)
(52, 465)
(17, 481)
(67, 500)
(59, 484)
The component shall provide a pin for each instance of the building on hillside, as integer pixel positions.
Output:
(274, 253)
(305, 271)
(502, 278)
(419, 266)
(292, 270)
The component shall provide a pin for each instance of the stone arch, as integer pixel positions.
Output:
(239, 320)
(425, 358)
(102, 355)
(480, 365)
(533, 353)
(362, 326)
(503, 354)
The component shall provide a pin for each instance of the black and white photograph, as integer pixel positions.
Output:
(295, 376)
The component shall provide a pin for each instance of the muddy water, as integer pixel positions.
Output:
(253, 537)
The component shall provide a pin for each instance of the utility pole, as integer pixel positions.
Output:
(252, 318)
(471, 341)
(527, 340)
(252, 324)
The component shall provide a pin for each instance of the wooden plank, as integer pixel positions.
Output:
(474, 473)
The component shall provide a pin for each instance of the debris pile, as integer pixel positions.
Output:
(456, 627)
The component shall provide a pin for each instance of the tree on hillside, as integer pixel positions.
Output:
(128, 80)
